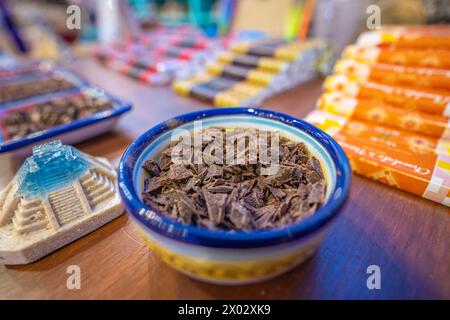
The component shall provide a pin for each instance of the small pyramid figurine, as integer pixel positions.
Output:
(58, 195)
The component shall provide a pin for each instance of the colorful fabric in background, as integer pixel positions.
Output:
(388, 105)
(162, 55)
(251, 72)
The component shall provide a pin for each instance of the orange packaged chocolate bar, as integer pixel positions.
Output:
(403, 97)
(420, 28)
(384, 136)
(439, 59)
(394, 75)
(404, 37)
(385, 114)
(427, 175)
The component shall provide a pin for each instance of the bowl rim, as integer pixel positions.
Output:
(150, 218)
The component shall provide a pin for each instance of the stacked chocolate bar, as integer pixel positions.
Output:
(159, 56)
(252, 72)
(388, 105)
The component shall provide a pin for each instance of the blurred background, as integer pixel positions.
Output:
(39, 29)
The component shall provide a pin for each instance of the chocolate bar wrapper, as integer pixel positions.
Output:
(252, 78)
(296, 73)
(218, 83)
(385, 114)
(439, 59)
(427, 175)
(404, 37)
(158, 54)
(144, 75)
(190, 42)
(149, 61)
(384, 136)
(251, 75)
(433, 29)
(402, 97)
(249, 61)
(394, 75)
(181, 53)
(219, 91)
(282, 50)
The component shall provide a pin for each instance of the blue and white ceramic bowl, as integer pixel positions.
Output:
(219, 256)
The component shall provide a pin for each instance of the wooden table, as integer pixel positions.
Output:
(406, 236)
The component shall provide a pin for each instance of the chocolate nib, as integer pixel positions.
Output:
(19, 123)
(236, 196)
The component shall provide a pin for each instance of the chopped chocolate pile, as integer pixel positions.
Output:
(22, 122)
(232, 195)
(17, 91)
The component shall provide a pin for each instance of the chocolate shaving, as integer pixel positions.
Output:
(24, 121)
(240, 216)
(179, 172)
(215, 204)
(151, 166)
(235, 196)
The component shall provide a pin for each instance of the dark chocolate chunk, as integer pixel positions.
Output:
(221, 189)
(255, 198)
(152, 184)
(284, 175)
(240, 216)
(234, 195)
(214, 171)
(314, 165)
(317, 193)
(23, 121)
(152, 167)
(277, 192)
(179, 172)
(215, 204)
(15, 91)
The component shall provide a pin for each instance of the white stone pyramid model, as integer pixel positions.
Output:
(58, 195)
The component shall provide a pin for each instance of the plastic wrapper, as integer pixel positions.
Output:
(437, 58)
(242, 73)
(145, 75)
(278, 49)
(249, 61)
(161, 54)
(426, 175)
(388, 106)
(394, 75)
(220, 91)
(430, 101)
(384, 114)
(254, 78)
(426, 37)
(388, 137)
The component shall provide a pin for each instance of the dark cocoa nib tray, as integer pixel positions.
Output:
(28, 84)
(47, 103)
